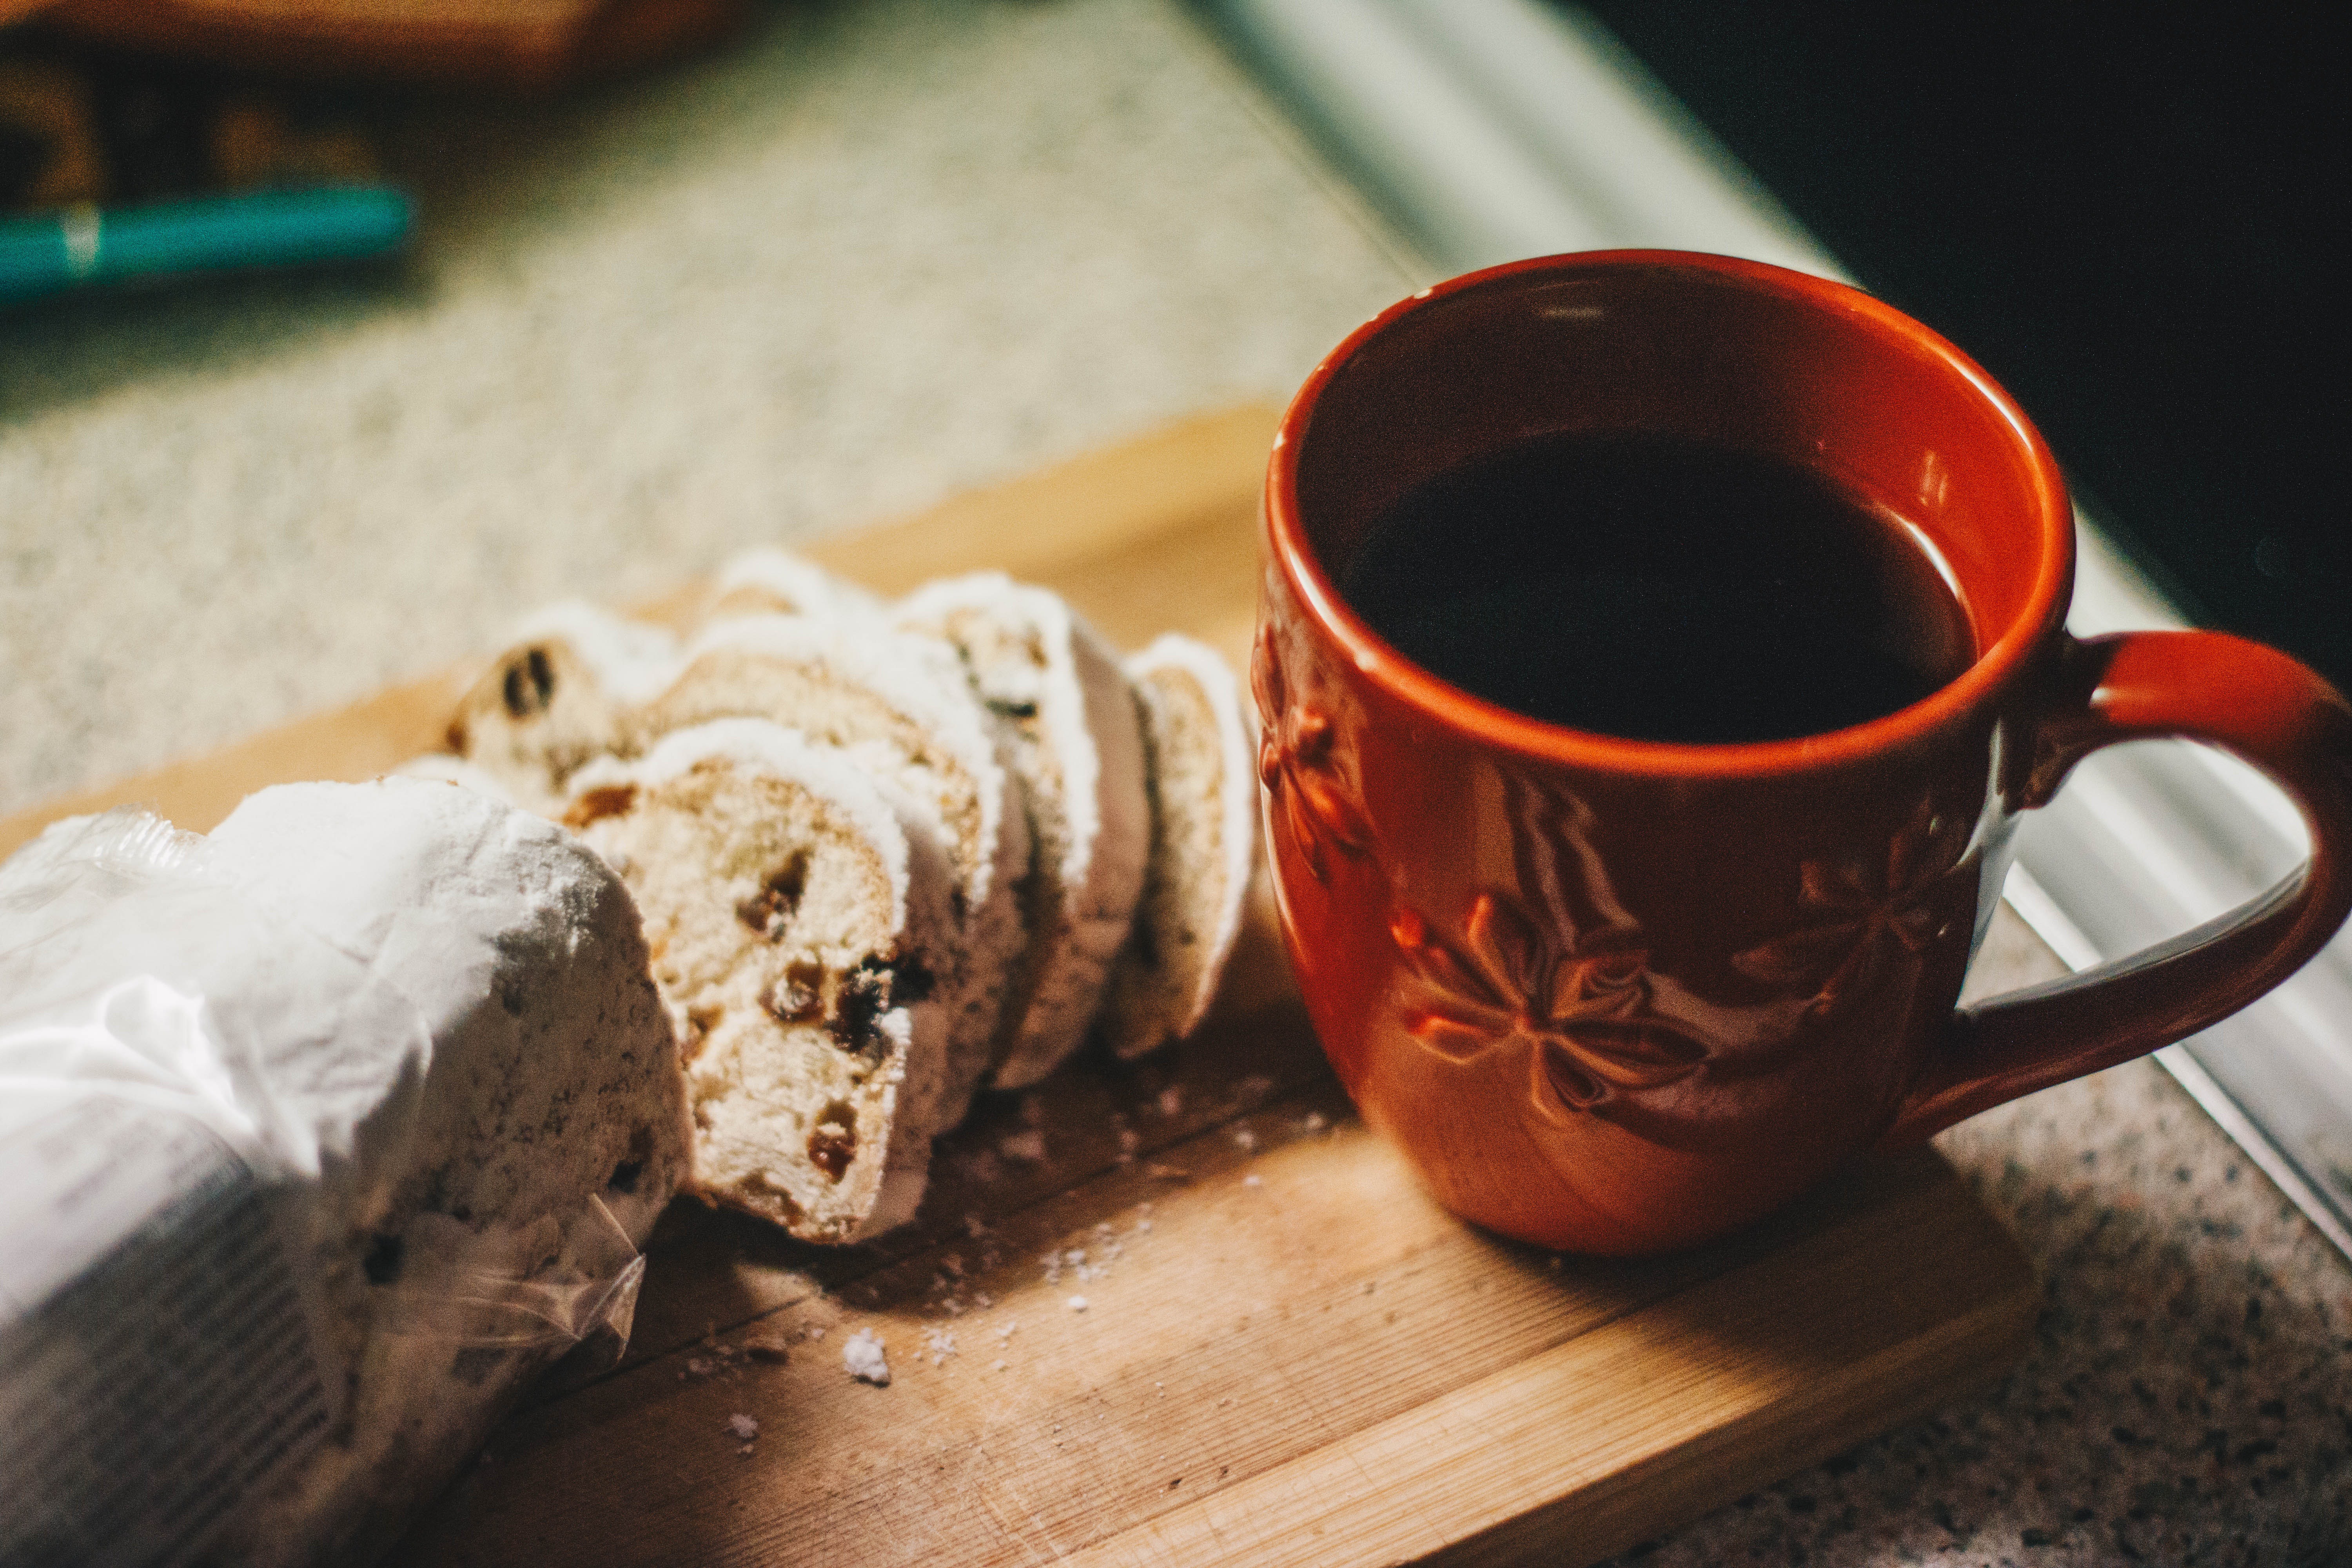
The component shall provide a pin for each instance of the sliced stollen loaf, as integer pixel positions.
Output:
(1056, 692)
(550, 702)
(798, 911)
(386, 1060)
(769, 581)
(901, 705)
(1203, 796)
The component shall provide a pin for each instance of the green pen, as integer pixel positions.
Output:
(81, 247)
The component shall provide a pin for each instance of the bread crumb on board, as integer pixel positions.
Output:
(727, 1361)
(863, 1359)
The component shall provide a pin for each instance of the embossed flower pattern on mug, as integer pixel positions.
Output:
(1862, 921)
(1579, 1010)
(1298, 761)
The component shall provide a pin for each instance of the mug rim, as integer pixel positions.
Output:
(1378, 661)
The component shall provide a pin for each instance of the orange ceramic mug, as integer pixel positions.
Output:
(1613, 996)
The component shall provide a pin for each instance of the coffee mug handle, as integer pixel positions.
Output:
(2251, 700)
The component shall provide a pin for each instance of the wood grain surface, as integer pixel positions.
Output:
(1186, 1310)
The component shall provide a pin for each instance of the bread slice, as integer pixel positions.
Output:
(428, 1108)
(901, 705)
(1203, 795)
(769, 580)
(1056, 689)
(550, 702)
(798, 912)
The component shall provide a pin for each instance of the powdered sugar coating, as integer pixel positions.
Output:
(629, 659)
(769, 748)
(1204, 837)
(543, 1080)
(442, 767)
(440, 890)
(919, 676)
(770, 580)
(1058, 695)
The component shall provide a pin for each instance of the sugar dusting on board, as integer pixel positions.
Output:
(863, 1359)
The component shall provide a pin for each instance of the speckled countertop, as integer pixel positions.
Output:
(877, 253)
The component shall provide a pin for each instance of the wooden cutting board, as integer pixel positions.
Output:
(1186, 1310)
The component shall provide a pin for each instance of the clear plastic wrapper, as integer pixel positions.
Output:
(188, 1137)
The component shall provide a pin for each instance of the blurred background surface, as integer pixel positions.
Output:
(864, 256)
(2121, 212)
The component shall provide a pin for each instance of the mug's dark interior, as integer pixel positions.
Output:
(1751, 360)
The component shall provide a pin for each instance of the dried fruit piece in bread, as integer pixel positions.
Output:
(1203, 796)
(901, 705)
(1055, 689)
(549, 703)
(798, 911)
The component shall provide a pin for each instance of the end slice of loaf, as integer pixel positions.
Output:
(798, 912)
(1204, 845)
(549, 704)
(543, 1079)
(900, 704)
(1055, 690)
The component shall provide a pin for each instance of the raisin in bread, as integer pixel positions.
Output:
(798, 911)
(1056, 692)
(550, 702)
(1204, 845)
(901, 706)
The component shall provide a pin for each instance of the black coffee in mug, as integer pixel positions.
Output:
(1656, 588)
